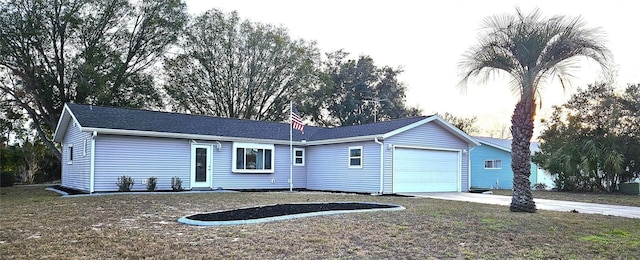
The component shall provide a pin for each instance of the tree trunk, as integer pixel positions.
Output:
(522, 131)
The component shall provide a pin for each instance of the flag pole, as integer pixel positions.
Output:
(291, 146)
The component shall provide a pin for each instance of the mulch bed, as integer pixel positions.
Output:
(67, 190)
(282, 210)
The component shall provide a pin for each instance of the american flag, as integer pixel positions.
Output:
(296, 120)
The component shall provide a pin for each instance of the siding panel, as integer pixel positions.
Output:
(224, 177)
(496, 178)
(76, 174)
(327, 168)
(141, 158)
(490, 178)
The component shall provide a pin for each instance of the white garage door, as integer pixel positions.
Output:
(419, 170)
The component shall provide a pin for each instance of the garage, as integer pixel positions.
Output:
(425, 170)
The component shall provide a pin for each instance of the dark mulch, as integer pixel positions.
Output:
(282, 210)
(68, 190)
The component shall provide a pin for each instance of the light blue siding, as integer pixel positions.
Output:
(328, 168)
(141, 158)
(429, 135)
(490, 178)
(224, 177)
(76, 174)
(494, 178)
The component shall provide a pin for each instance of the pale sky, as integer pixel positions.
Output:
(427, 39)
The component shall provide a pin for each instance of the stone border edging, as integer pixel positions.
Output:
(185, 220)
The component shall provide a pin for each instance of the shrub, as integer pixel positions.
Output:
(540, 186)
(7, 179)
(176, 183)
(124, 183)
(151, 183)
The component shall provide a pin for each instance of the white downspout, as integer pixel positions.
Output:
(469, 167)
(381, 165)
(92, 162)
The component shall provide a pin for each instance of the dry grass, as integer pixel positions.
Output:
(602, 198)
(39, 224)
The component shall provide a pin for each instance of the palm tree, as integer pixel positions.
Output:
(531, 50)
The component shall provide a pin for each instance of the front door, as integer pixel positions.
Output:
(201, 166)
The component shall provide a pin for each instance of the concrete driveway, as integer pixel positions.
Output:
(542, 204)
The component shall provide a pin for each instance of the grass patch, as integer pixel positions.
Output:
(617, 239)
(601, 198)
(39, 224)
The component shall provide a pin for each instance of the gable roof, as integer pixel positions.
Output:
(504, 144)
(123, 121)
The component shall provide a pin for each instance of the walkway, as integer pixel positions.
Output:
(542, 204)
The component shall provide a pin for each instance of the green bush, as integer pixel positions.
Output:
(151, 183)
(7, 179)
(176, 183)
(125, 183)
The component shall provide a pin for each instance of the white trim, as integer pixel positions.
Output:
(427, 148)
(187, 136)
(469, 167)
(234, 153)
(92, 163)
(365, 138)
(109, 131)
(494, 145)
(215, 144)
(65, 110)
(393, 159)
(209, 170)
(57, 135)
(84, 147)
(493, 163)
(70, 153)
(381, 191)
(361, 157)
(303, 156)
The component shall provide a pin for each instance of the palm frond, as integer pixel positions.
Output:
(533, 50)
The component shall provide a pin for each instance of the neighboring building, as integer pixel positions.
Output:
(99, 144)
(491, 165)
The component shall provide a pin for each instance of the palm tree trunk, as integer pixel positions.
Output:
(522, 131)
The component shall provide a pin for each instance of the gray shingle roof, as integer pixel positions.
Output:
(145, 120)
(495, 142)
(505, 143)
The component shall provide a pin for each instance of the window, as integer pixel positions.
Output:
(253, 158)
(70, 161)
(84, 151)
(298, 156)
(355, 157)
(493, 164)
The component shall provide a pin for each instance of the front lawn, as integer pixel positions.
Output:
(39, 224)
(602, 198)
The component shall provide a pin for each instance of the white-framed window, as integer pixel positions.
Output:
(355, 157)
(70, 151)
(253, 158)
(85, 148)
(298, 156)
(493, 164)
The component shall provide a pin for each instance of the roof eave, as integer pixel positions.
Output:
(109, 131)
(65, 118)
(495, 146)
(344, 140)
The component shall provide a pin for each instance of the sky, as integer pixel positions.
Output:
(427, 39)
